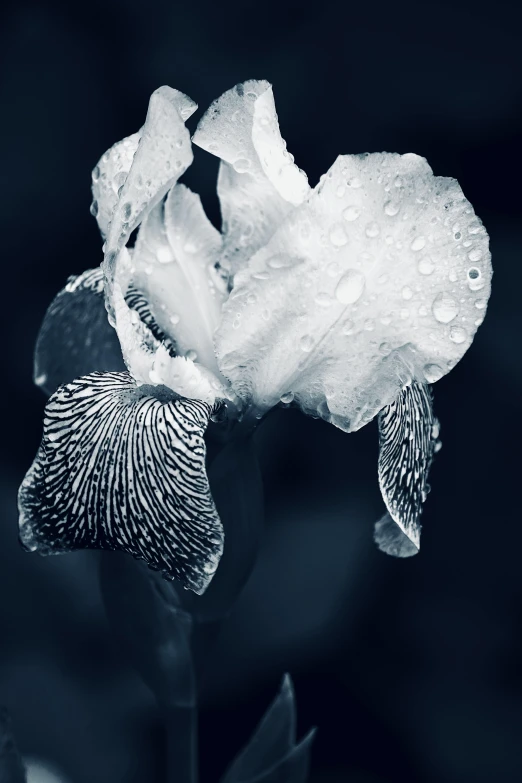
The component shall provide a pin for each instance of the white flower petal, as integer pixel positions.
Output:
(163, 155)
(119, 468)
(173, 265)
(373, 281)
(258, 182)
(108, 177)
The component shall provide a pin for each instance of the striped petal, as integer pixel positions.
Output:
(408, 432)
(75, 337)
(258, 184)
(119, 468)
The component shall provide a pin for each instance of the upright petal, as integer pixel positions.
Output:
(408, 439)
(173, 265)
(75, 337)
(121, 469)
(380, 277)
(108, 178)
(163, 154)
(258, 184)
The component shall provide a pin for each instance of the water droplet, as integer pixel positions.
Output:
(179, 143)
(40, 379)
(480, 304)
(398, 182)
(94, 208)
(127, 210)
(433, 373)
(348, 327)
(475, 279)
(385, 347)
(351, 213)
(191, 355)
(354, 182)
(391, 209)
(323, 299)
(287, 397)
(426, 265)
(266, 315)
(418, 243)
(444, 308)
(164, 255)
(407, 293)
(174, 319)
(242, 165)
(457, 334)
(350, 286)
(281, 261)
(306, 343)
(96, 174)
(337, 235)
(341, 190)
(369, 325)
(372, 230)
(333, 269)
(251, 298)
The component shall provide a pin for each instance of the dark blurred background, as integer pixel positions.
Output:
(410, 669)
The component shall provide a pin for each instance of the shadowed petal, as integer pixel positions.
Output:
(258, 183)
(408, 432)
(75, 337)
(380, 277)
(121, 469)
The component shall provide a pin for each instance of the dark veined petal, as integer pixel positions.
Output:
(408, 432)
(121, 469)
(75, 337)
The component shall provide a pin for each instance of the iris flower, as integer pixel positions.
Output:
(347, 300)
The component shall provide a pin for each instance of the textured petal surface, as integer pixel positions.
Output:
(108, 177)
(408, 432)
(258, 184)
(148, 353)
(120, 469)
(173, 265)
(381, 276)
(75, 337)
(163, 154)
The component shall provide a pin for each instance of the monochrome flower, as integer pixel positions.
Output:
(347, 300)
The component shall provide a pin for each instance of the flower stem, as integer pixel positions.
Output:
(182, 744)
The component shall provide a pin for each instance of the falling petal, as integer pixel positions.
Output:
(346, 324)
(108, 177)
(163, 155)
(258, 184)
(119, 468)
(408, 432)
(172, 264)
(75, 337)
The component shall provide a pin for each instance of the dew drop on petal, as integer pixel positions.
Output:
(457, 334)
(333, 269)
(287, 397)
(323, 299)
(174, 319)
(475, 279)
(281, 261)
(480, 304)
(418, 243)
(191, 355)
(351, 213)
(350, 286)
(444, 308)
(348, 327)
(242, 165)
(372, 230)
(94, 208)
(337, 235)
(475, 254)
(407, 293)
(306, 343)
(391, 209)
(164, 255)
(426, 265)
(354, 182)
(432, 373)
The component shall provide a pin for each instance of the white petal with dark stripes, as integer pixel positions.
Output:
(408, 432)
(119, 468)
(75, 337)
